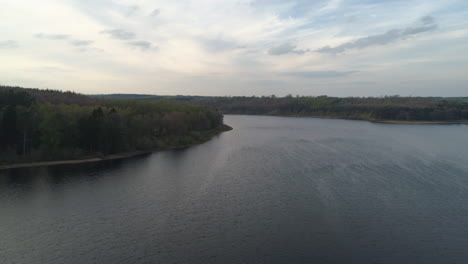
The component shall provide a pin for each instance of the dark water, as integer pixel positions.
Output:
(273, 190)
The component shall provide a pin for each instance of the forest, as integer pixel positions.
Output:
(43, 125)
(385, 108)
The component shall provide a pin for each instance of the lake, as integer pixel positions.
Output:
(273, 190)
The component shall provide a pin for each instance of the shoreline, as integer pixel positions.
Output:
(420, 122)
(118, 156)
(459, 122)
(76, 161)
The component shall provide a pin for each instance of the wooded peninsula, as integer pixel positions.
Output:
(46, 125)
(49, 125)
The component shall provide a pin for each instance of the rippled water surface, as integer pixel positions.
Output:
(273, 190)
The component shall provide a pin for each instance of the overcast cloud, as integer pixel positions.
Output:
(286, 48)
(8, 44)
(81, 42)
(237, 47)
(119, 34)
(141, 44)
(52, 36)
(426, 24)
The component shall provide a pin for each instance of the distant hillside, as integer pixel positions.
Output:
(393, 108)
(125, 96)
(184, 98)
(396, 108)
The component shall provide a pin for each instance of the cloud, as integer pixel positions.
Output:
(425, 24)
(352, 19)
(320, 74)
(155, 13)
(286, 48)
(119, 34)
(206, 39)
(48, 69)
(89, 49)
(8, 44)
(81, 42)
(219, 45)
(331, 5)
(130, 10)
(74, 42)
(52, 36)
(142, 44)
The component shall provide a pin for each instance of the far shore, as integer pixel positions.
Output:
(421, 122)
(223, 128)
(458, 122)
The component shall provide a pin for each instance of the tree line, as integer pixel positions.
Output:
(33, 128)
(371, 108)
(363, 108)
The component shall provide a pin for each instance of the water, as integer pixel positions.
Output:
(273, 190)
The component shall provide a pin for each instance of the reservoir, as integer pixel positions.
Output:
(273, 190)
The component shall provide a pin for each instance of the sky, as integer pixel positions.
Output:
(237, 47)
